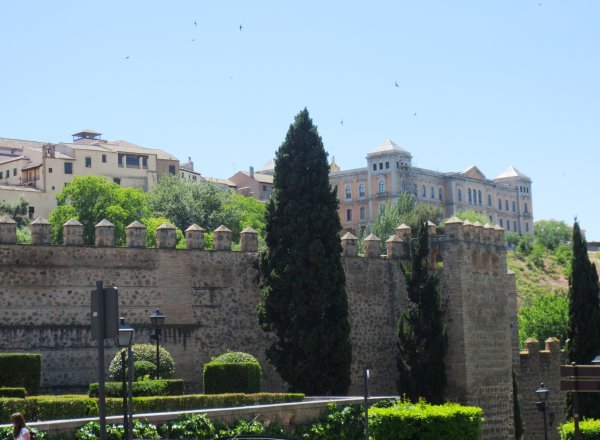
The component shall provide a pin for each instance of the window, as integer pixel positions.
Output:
(423, 192)
(403, 186)
(415, 189)
(144, 162)
(68, 167)
(104, 158)
(380, 165)
(514, 225)
(1, 175)
(387, 165)
(348, 215)
(30, 211)
(459, 195)
(470, 197)
(348, 192)
(14, 171)
(49, 170)
(432, 192)
(374, 167)
(479, 197)
(362, 213)
(490, 218)
(508, 225)
(88, 162)
(117, 180)
(490, 200)
(506, 204)
(120, 159)
(440, 194)
(264, 186)
(172, 169)
(514, 206)
(526, 226)
(133, 161)
(361, 190)
(381, 186)
(53, 188)
(501, 223)
(499, 206)
(525, 203)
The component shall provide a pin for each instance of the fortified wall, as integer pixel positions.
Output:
(210, 297)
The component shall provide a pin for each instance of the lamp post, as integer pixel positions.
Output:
(366, 384)
(123, 340)
(542, 393)
(157, 319)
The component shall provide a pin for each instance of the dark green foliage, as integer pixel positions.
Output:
(162, 387)
(143, 369)
(547, 316)
(584, 319)
(21, 370)
(345, 423)
(7, 433)
(143, 352)
(18, 211)
(141, 429)
(240, 377)
(49, 407)
(551, 233)
(303, 281)
(196, 426)
(519, 429)
(19, 392)
(422, 339)
(588, 429)
(422, 421)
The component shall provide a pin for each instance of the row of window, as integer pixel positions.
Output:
(362, 214)
(524, 189)
(7, 175)
(361, 190)
(474, 198)
(386, 164)
(132, 161)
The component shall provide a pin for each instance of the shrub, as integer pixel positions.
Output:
(232, 372)
(345, 423)
(141, 429)
(162, 387)
(143, 369)
(589, 429)
(21, 370)
(188, 426)
(426, 422)
(240, 427)
(49, 407)
(7, 433)
(19, 392)
(143, 352)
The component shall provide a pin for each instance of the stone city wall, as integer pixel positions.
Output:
(210, 298)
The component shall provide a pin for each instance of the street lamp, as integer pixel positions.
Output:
(366, 385)
(542, 393)
(157, 319)
(123, 340)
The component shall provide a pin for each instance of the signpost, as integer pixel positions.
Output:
(579, 379)
(105, 325)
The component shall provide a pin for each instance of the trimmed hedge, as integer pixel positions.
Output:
(143, 352)
(21, 370)
(232, 372)
(589, 429)
(162, 387)
(80, 406)
(450, 421)
(19, 392)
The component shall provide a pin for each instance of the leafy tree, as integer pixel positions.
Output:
(422, 338)
(472, 216)
(550, 233)
(154, 222)
(584, 319)
(90, 199)
(303, 281)
(18, 211)
(546, 317)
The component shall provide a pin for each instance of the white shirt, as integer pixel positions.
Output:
(22, 434)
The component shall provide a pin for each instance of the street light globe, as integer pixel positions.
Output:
(157, 319)
(542, 392)
(125, 335)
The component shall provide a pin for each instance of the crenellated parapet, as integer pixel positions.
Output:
(349, 245)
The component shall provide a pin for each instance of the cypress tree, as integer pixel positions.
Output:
(584, 319)
(302, 278)
(422, 339)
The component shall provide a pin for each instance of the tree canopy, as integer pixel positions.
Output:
(551, 233)
(303, 282)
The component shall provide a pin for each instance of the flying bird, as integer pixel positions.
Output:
(126, 58)
(195, 24)
(241, 27)
(342, 122)
(396, 83)
(415, 114)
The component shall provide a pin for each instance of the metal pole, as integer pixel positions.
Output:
(124, 396)
(575, 401)
(157, 354)
(366, 385)
(545, 426)
(101, 388)
(130, 391)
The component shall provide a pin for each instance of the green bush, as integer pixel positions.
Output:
(19, 392)
(188, 426)
(141, 429)
(232, 372)
(162, 387)
(143, 369)
(143, 352)
(589, 429)
(345, 423)
(426, 422)
(49, 407)
(7, 433)
(21, 370)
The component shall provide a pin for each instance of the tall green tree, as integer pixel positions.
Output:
(551, 233)
(422, 338)
(91, 199)
(584, 319)
(303, 281)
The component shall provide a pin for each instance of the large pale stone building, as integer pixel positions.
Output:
(505, 200)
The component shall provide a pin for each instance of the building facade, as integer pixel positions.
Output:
(505, 200)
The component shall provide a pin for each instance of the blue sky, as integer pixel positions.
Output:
(493, 83)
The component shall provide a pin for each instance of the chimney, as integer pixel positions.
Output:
(252, 172)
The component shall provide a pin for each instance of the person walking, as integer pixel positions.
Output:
(20, 431)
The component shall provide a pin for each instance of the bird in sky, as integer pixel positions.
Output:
(126, 58)
(195, 24)
(342, 122)
(396, 83)
(415, 114)
(241, 27)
